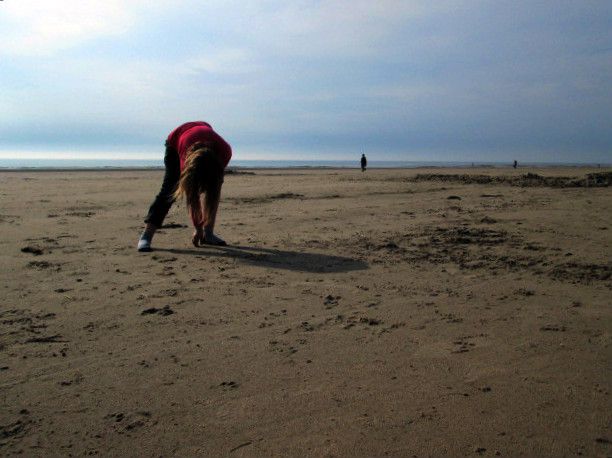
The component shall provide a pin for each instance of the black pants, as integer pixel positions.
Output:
(164, 200)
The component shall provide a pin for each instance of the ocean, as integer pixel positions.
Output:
(15, 164)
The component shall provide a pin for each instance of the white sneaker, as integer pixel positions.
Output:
(144, 245)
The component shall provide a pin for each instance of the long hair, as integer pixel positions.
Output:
(201, 174)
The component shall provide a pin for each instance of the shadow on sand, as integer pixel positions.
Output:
(277, 259)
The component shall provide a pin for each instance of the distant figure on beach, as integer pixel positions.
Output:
(364, 162)
(515, 165)
(195, 160)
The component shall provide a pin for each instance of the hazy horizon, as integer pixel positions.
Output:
(52, 161)
(458, 80)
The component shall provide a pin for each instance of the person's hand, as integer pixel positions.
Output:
(198, 237)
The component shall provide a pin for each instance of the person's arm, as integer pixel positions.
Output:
(210, 208)
(197, 218)
(211, 215)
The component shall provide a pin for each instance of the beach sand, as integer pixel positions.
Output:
(353, 314)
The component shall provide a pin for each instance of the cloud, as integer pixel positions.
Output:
(306, 28)
(43, 27)
(221, 61)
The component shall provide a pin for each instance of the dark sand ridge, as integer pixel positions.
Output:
(595, 179)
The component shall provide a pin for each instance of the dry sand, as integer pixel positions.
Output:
(353, 315)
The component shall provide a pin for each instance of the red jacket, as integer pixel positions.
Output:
(189, 133)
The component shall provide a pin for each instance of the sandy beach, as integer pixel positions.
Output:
(399, 312)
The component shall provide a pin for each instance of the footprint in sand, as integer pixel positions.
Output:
(553, 328)
(36, 251)
(43, 265)
(331, 301)
(122, 422)
(164, 311)
(230, 385)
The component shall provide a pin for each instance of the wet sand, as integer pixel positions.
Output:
(428, 312)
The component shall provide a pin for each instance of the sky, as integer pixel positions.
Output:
(447, 80)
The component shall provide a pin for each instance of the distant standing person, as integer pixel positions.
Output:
(364, 162)
(515, 165)
(195, 160)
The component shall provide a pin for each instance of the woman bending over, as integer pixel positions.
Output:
(195, 160)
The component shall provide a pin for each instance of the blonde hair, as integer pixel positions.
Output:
(201, 174)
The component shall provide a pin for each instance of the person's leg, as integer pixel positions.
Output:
(163, 201)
